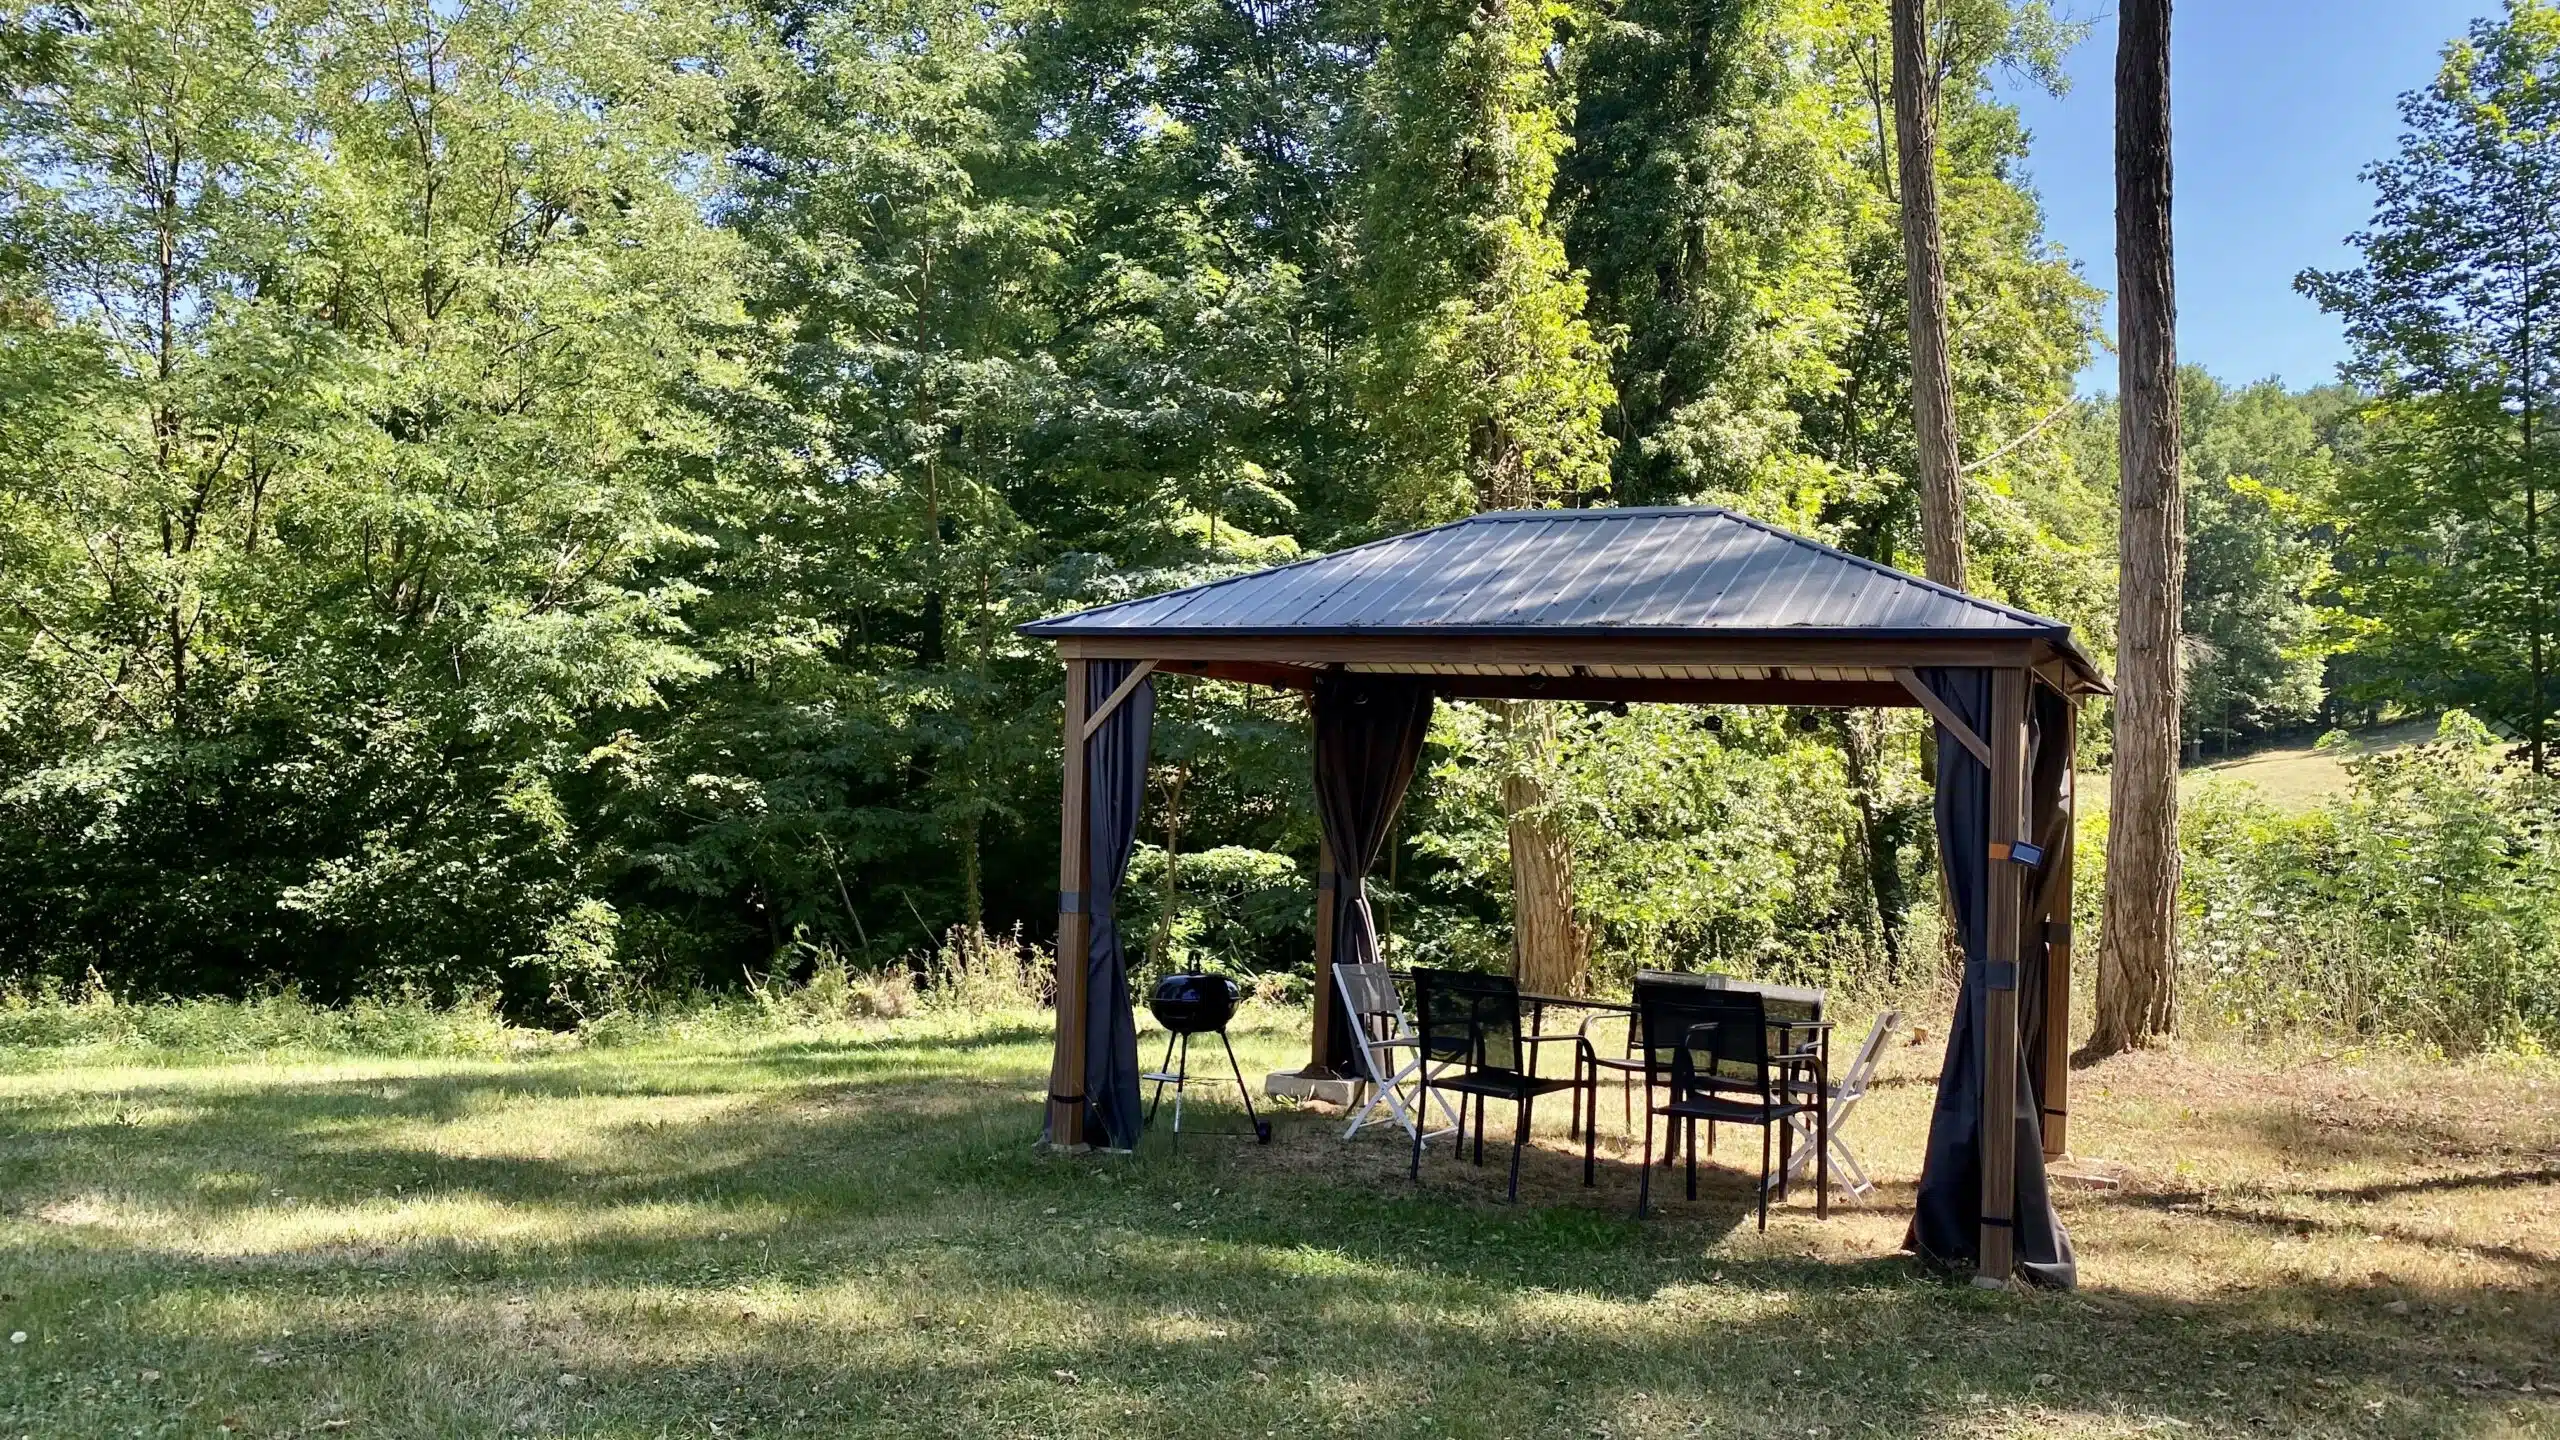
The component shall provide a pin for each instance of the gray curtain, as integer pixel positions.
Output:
(2049, 822)
(1116, 771)
(1946, 1220)
(1369, 731)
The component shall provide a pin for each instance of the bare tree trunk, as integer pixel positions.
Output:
(1933, 389)
(1933, 386)
(2138, 954)
(1551, 953)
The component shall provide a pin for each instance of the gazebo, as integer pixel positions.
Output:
(1692, 605)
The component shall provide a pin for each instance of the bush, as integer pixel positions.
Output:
(973, 972)
(2418, 906)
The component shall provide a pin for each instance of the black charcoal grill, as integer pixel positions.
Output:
(1188, 1005)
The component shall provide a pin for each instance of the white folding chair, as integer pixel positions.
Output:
(1379, 1021)
(1846, 1092)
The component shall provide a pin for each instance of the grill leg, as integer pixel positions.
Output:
(1260, 1133)
(1165, 1068)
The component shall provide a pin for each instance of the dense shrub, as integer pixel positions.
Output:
(2421, 905)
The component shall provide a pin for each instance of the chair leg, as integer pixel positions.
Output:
(1519, 1144)
(1591, 1107)
(1822, 1163)
(1764, 1179)
(1693, 1159)
(1479, 1129)
(1425, 1079)
(1644, 1172)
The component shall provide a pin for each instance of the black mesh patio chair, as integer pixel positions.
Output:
(1720, 1058)
(1472, 1045)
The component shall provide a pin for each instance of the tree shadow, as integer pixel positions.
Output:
(927, 1273)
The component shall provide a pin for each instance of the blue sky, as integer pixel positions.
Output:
(2276, 105)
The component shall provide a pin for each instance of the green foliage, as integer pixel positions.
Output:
(354, 344)
(2262, 467)
(534, 499)
(1703, 839)
(1484, 382)
(2423, 905)
(2445, 575)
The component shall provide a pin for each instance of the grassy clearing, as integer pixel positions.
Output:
(2300, 777)
(844, 1230)
(2290, 777)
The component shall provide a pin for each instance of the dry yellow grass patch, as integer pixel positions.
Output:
(847, 1232)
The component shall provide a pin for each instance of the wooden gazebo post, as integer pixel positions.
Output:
(2000, 1008)
(1320, 1057)
(1075, 814)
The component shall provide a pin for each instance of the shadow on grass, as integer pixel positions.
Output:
(914, 1268)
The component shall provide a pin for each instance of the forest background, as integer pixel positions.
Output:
(530, 499)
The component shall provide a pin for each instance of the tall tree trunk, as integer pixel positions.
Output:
(1551, 953)
(1933, 388)
(2537, 613)
(2137, 959)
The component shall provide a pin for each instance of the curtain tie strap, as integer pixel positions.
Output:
(2057, 932)
(2001, 974)
(1072, 902)
(2001, 1222)
(1328, 880)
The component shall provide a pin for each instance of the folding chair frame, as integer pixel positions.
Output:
(1394, 1090)
(1846, 1172)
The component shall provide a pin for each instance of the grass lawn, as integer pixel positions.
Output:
(847, 1232)
(2291, 778)
(2299, 777)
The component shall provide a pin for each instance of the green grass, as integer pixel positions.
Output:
(2299, 777)
(846, 1231)
(2292, 778)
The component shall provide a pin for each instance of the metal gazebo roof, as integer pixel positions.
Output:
(1690, 603)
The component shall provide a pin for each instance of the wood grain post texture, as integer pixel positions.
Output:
(2000, 998)
(2138, 943)
(1933, 389)
(1075, 813)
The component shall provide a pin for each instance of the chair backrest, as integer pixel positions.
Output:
(1670, 1011)
(1469, 1017)
(1780, 1002)
(1862, 1066)
(1376, 1013)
